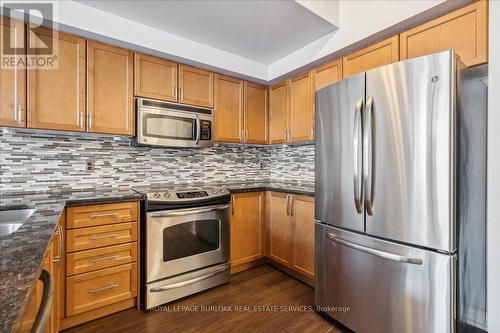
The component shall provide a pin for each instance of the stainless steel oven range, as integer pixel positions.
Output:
(186, 237)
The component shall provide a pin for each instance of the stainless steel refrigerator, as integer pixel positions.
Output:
(400, 197)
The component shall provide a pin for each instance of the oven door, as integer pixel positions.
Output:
(174, 128)
(184, 240)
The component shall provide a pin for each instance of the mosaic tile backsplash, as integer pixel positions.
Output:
(32, 160)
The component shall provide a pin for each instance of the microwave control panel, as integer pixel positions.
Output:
(206, 133)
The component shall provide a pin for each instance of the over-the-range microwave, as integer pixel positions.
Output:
(173, 125)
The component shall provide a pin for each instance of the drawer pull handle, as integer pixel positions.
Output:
(95, 260)
(94, 216)
(96, 290)
(96, 237)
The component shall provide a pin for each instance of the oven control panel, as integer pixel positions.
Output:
(191, 195)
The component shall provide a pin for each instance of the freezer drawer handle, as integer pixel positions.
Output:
(378, 253)
(188, 282)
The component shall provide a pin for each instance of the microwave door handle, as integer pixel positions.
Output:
(198, 129)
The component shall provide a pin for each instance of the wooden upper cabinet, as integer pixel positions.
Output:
(228, 109)
(301, 111)
(110, 89)
(247, 221)
(155, 78)
(278, 105)
(327, 74)
(376, 55)
(196, 86)
(464, 30)
(255, 106)
(12, 79)
(280, 245)
(303, 235)
(56, 97)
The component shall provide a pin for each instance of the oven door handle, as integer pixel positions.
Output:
(188, 282)
(188, 212)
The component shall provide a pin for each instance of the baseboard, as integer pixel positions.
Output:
(247, 265)
(292, 273)
(97, 313)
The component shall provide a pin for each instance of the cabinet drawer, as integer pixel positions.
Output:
(92, 290)
(94, 237)
(89, 216)
(104, 257)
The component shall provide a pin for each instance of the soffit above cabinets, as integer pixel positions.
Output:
(257, 40)
(263, 31)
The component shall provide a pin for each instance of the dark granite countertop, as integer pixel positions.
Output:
(235, 187)
(23, 251)
(293, 188)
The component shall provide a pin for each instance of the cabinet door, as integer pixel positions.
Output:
(56, 97)
(301, 112)
(196, 86)
(110, 94)
(376, 55)
(155, 78)
(327, 74)
(280, 246)
(247, 216)
(278, 105)
(255, 113)
(228, 109)
(59, 272)
(13, 79)
(464, 30)
(302, 212)
(36, 298)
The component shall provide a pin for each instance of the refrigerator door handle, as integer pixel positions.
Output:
(368, 157)
(357, 151)
(378, 253)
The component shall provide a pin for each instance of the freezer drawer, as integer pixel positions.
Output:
(373, 286)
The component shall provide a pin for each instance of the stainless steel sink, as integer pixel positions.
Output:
(12, 219)
(8, 228)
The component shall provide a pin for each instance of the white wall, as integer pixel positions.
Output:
(493, 226)
(357, 20)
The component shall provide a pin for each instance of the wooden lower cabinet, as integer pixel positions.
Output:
(302, 211)
(93, 237)
(247, 222)
(280, 232)
(291, 231)
(88, 291)
(101, 261)
(51, 264)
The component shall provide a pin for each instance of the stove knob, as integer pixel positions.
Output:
(166, 195)
(214, 191)
(221, 190)
(157, 195)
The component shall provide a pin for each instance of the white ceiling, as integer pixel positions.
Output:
(263, 31)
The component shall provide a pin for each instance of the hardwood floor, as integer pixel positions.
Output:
(255, 301)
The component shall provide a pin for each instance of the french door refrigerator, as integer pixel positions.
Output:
(400, 197)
